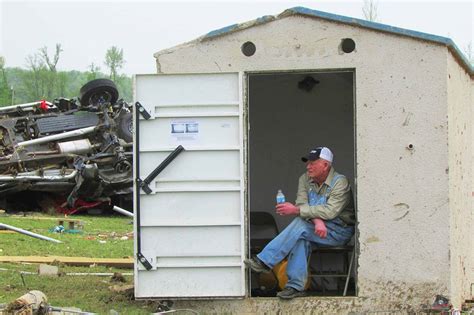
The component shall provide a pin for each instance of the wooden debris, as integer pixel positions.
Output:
(70, 261)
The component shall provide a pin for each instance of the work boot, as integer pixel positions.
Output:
(288, 293)
(256, 265)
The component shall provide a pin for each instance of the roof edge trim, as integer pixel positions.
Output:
(351, 21)
(383, 28)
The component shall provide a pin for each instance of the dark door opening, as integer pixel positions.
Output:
(288, 114)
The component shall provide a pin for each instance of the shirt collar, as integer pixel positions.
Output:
(328, 179)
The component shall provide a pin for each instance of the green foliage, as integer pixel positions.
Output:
(114, 61)
(69, 83)
(93, 72)
(5, 91)
(42, 80)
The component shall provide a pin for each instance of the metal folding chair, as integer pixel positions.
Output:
(348, 254)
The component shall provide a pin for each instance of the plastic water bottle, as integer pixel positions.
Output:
(280, 197)
(312, 196)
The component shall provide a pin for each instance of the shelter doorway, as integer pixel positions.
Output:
(290, 113)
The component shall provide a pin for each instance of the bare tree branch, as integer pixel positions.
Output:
(44, 55)
(370, 10)
(468, 50)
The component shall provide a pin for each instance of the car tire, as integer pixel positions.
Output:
(125, 127)
(103, 90)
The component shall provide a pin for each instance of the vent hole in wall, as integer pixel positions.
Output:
(248, 49)
(348, 45)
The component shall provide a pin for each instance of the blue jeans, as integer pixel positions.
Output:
(295, 241)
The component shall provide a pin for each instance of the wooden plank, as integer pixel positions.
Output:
(71, 261)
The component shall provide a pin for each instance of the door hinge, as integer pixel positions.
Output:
(142, 110)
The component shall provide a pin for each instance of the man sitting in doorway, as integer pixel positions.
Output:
(325, 217)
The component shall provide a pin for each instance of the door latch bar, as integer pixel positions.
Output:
(143, 184)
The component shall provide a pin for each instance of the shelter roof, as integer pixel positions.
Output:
(302, 11)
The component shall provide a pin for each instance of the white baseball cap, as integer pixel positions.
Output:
(319, 153)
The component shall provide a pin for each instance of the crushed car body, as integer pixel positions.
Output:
(76, 151)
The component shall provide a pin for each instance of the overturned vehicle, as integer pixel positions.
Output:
(70, 154)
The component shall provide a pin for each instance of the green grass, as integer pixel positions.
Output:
(87, 244)
(89, 293)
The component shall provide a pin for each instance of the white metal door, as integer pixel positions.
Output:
(192, 223)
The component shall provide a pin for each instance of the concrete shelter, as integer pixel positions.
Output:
(396, 108)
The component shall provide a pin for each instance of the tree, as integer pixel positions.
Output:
(35, 79)
(44, 54)
(93, 72)
(52, 73)
(42, 81)
(370, 10)
(469, 53)
(114, 61)
(5, 91)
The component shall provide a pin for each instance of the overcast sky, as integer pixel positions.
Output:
(86, 29)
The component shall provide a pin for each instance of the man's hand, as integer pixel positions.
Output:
(320, 228)
(287, 208)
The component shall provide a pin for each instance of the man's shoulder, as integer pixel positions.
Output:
(304, 177)
(339, 178)
(340, 181)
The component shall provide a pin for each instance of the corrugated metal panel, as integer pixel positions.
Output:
(191, 225)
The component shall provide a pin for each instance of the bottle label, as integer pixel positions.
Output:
(280, 199)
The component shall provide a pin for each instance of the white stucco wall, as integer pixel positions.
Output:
(403, 195)
(460, 180)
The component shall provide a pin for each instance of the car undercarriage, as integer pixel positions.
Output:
(77, 152)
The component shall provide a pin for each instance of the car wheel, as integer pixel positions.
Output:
(98, 91)
(125, 127)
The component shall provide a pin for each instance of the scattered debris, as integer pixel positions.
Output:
(122, 211)
(165, 307)
(72, 224)
(117, 277)
(75, 153)
(58, 229)
(110, 236)
(33, 302)
(96, 274)
(48, 270)
(41, 237)
(36, 303)
(100, 274)
(441, 304)
(126, 290)
(468, 306)
(62, 229)
(71, 261)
